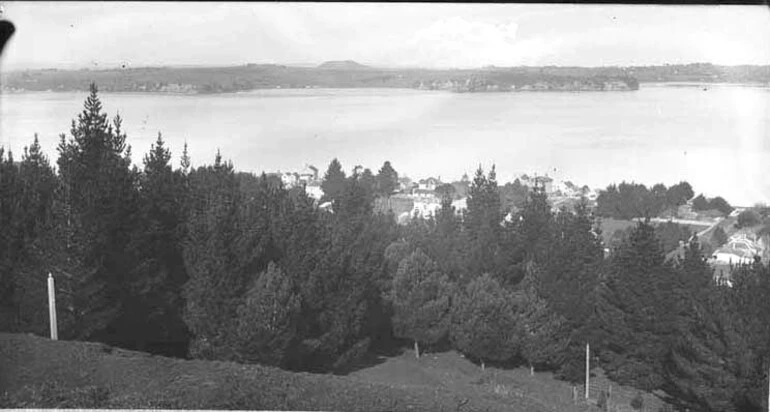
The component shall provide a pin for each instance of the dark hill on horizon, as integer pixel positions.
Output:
(343, 65)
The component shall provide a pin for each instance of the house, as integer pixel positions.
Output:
(424, 194)
(313, 189)
(289, 179)
(428, 184)
(308, 174)
(541, 181)
(545, 182)
(740, 249)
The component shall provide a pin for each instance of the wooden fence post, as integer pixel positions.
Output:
(52, 307)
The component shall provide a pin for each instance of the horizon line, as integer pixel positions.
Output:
(122, 66)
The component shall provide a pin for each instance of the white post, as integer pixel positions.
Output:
(52, 307)
(588, 369)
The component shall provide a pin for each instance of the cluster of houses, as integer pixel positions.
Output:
(307, 177)
(558, 191)
(421, 198)
(418, 199)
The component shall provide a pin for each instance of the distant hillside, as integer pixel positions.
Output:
(350, 74)
(337, 74)
(343, 65)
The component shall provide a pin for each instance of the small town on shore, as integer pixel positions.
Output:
(731, 243)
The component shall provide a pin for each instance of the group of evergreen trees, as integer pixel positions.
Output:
(214, 264)
(630, 200)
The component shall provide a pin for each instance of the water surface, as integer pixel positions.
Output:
(718, 139)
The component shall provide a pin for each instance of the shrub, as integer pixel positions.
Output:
(719, 236)
(637, 402)
(721, 205)
(420, 296)
(484, 321)
(748, 218)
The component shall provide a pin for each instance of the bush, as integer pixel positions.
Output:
(700, 203)
(484, 321)
(721, 205)
(748, 218)
(670, 234)
(637, 402)
(719, 236)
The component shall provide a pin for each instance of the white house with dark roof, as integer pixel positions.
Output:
(430, 183)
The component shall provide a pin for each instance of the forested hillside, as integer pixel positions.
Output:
(327, 75)
(348, 74)
(211, 263)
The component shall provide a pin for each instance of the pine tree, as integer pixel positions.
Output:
(157, 278)
(484, 321)
(444, 241)
(100, 197)
(637, 311)
(482, 223)
(387, 180)
(37, 250)
(334, 181)
(572, 257)
(267, 319)
(544, 332)
(395, 253)
(421, 298)
(368, 181)
(185, 161)
(536, 225)
(215, 284)
(343, 302)
(703, 367)
(10, 245)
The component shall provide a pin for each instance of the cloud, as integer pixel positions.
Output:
(428, 35)
(458, 42)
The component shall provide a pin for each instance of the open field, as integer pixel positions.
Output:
(609, 226)
(38, 372)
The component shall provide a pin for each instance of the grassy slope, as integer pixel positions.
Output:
(436, 382)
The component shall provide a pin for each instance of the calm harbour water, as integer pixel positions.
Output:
(717, 139)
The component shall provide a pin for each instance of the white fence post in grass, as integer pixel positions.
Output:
(588, 369)
(52, 307)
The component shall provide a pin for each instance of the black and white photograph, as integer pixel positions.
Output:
(361, 206)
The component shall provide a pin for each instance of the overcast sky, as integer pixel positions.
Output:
(99, 35)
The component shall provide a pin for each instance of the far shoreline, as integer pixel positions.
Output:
(264, 90)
